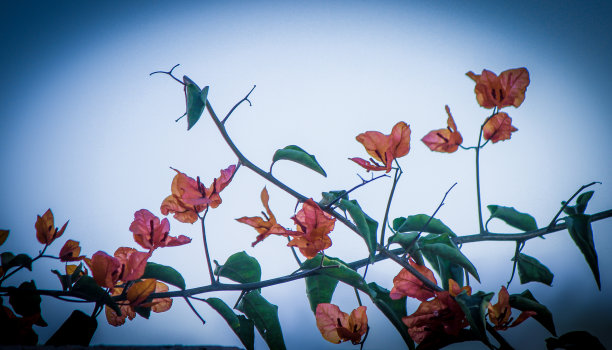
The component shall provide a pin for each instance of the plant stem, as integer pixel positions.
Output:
(396, 177)
(478, 147)
(208, 263)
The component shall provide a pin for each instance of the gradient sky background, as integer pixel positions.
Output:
(85, 131)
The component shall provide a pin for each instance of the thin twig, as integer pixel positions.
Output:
(363, 182)
(194, 310)
(170, 74)
(396, 177)
(246, 98)
(517, 251)
(554, 220)
(480, 225)
(297, 258)
(208, 263)
(429, 220)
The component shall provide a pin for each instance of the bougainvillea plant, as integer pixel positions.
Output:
(431, 265)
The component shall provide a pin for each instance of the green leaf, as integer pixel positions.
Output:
(527, 302)
(240, 267)
(405, 239)
(9, 261)
(443, 267)
(78, 330)
(90, 290)
(320, 289)
(298, 155)
(64, 280)
(330, 197)
(582, 201)
(512, 217)
(366, 226)
(531, 270)
(475, 307)
(342, 272)
(265, 316)
(579, 227)
(24, 302)
(165, 274)
(575, 340)
(242, 326)
(417, 223)
(451, 254)
(394, 310)
(195, 100)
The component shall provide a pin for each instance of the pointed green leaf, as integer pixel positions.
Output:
(394, 310)
(582, 201)
(475, 307)
(320, 289)
(513, 217)
(64, 280)
(575, 340)
(444, 268)
(165, 274)
(77, 330)
(90, 290)
(532, 270)
(342, 272)
(451, 254)
(265, 316)
(579, 227)
(242, 326)
(527, 302)
(406, 239)
(366, 226)
(9, 261)
(240, 267)
(417, 223)
(195, 100)
(298, 155)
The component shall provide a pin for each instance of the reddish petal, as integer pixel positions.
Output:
(407, 284)
(105, 269)
(369, 166)
(182, 213)
(498, 128)
(329, 319)
(514, 82)
(70, 251)
(134, 263)
(400, 139)
(140, 291)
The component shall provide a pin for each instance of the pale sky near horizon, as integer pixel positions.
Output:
(85, 131)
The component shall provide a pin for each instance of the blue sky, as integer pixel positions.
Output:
(85, 131)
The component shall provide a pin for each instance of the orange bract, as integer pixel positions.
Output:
(444, 140)
(384, 148)
(190, 197)
(70, 251)
(264, 227)
(337, 326)
(127, 309)
(436, 317)
(498, 128)
(499, 314)
(313, 227)
(128, 264)
(407, 284)
(506, 90)
(46, 232)
(151, 234)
